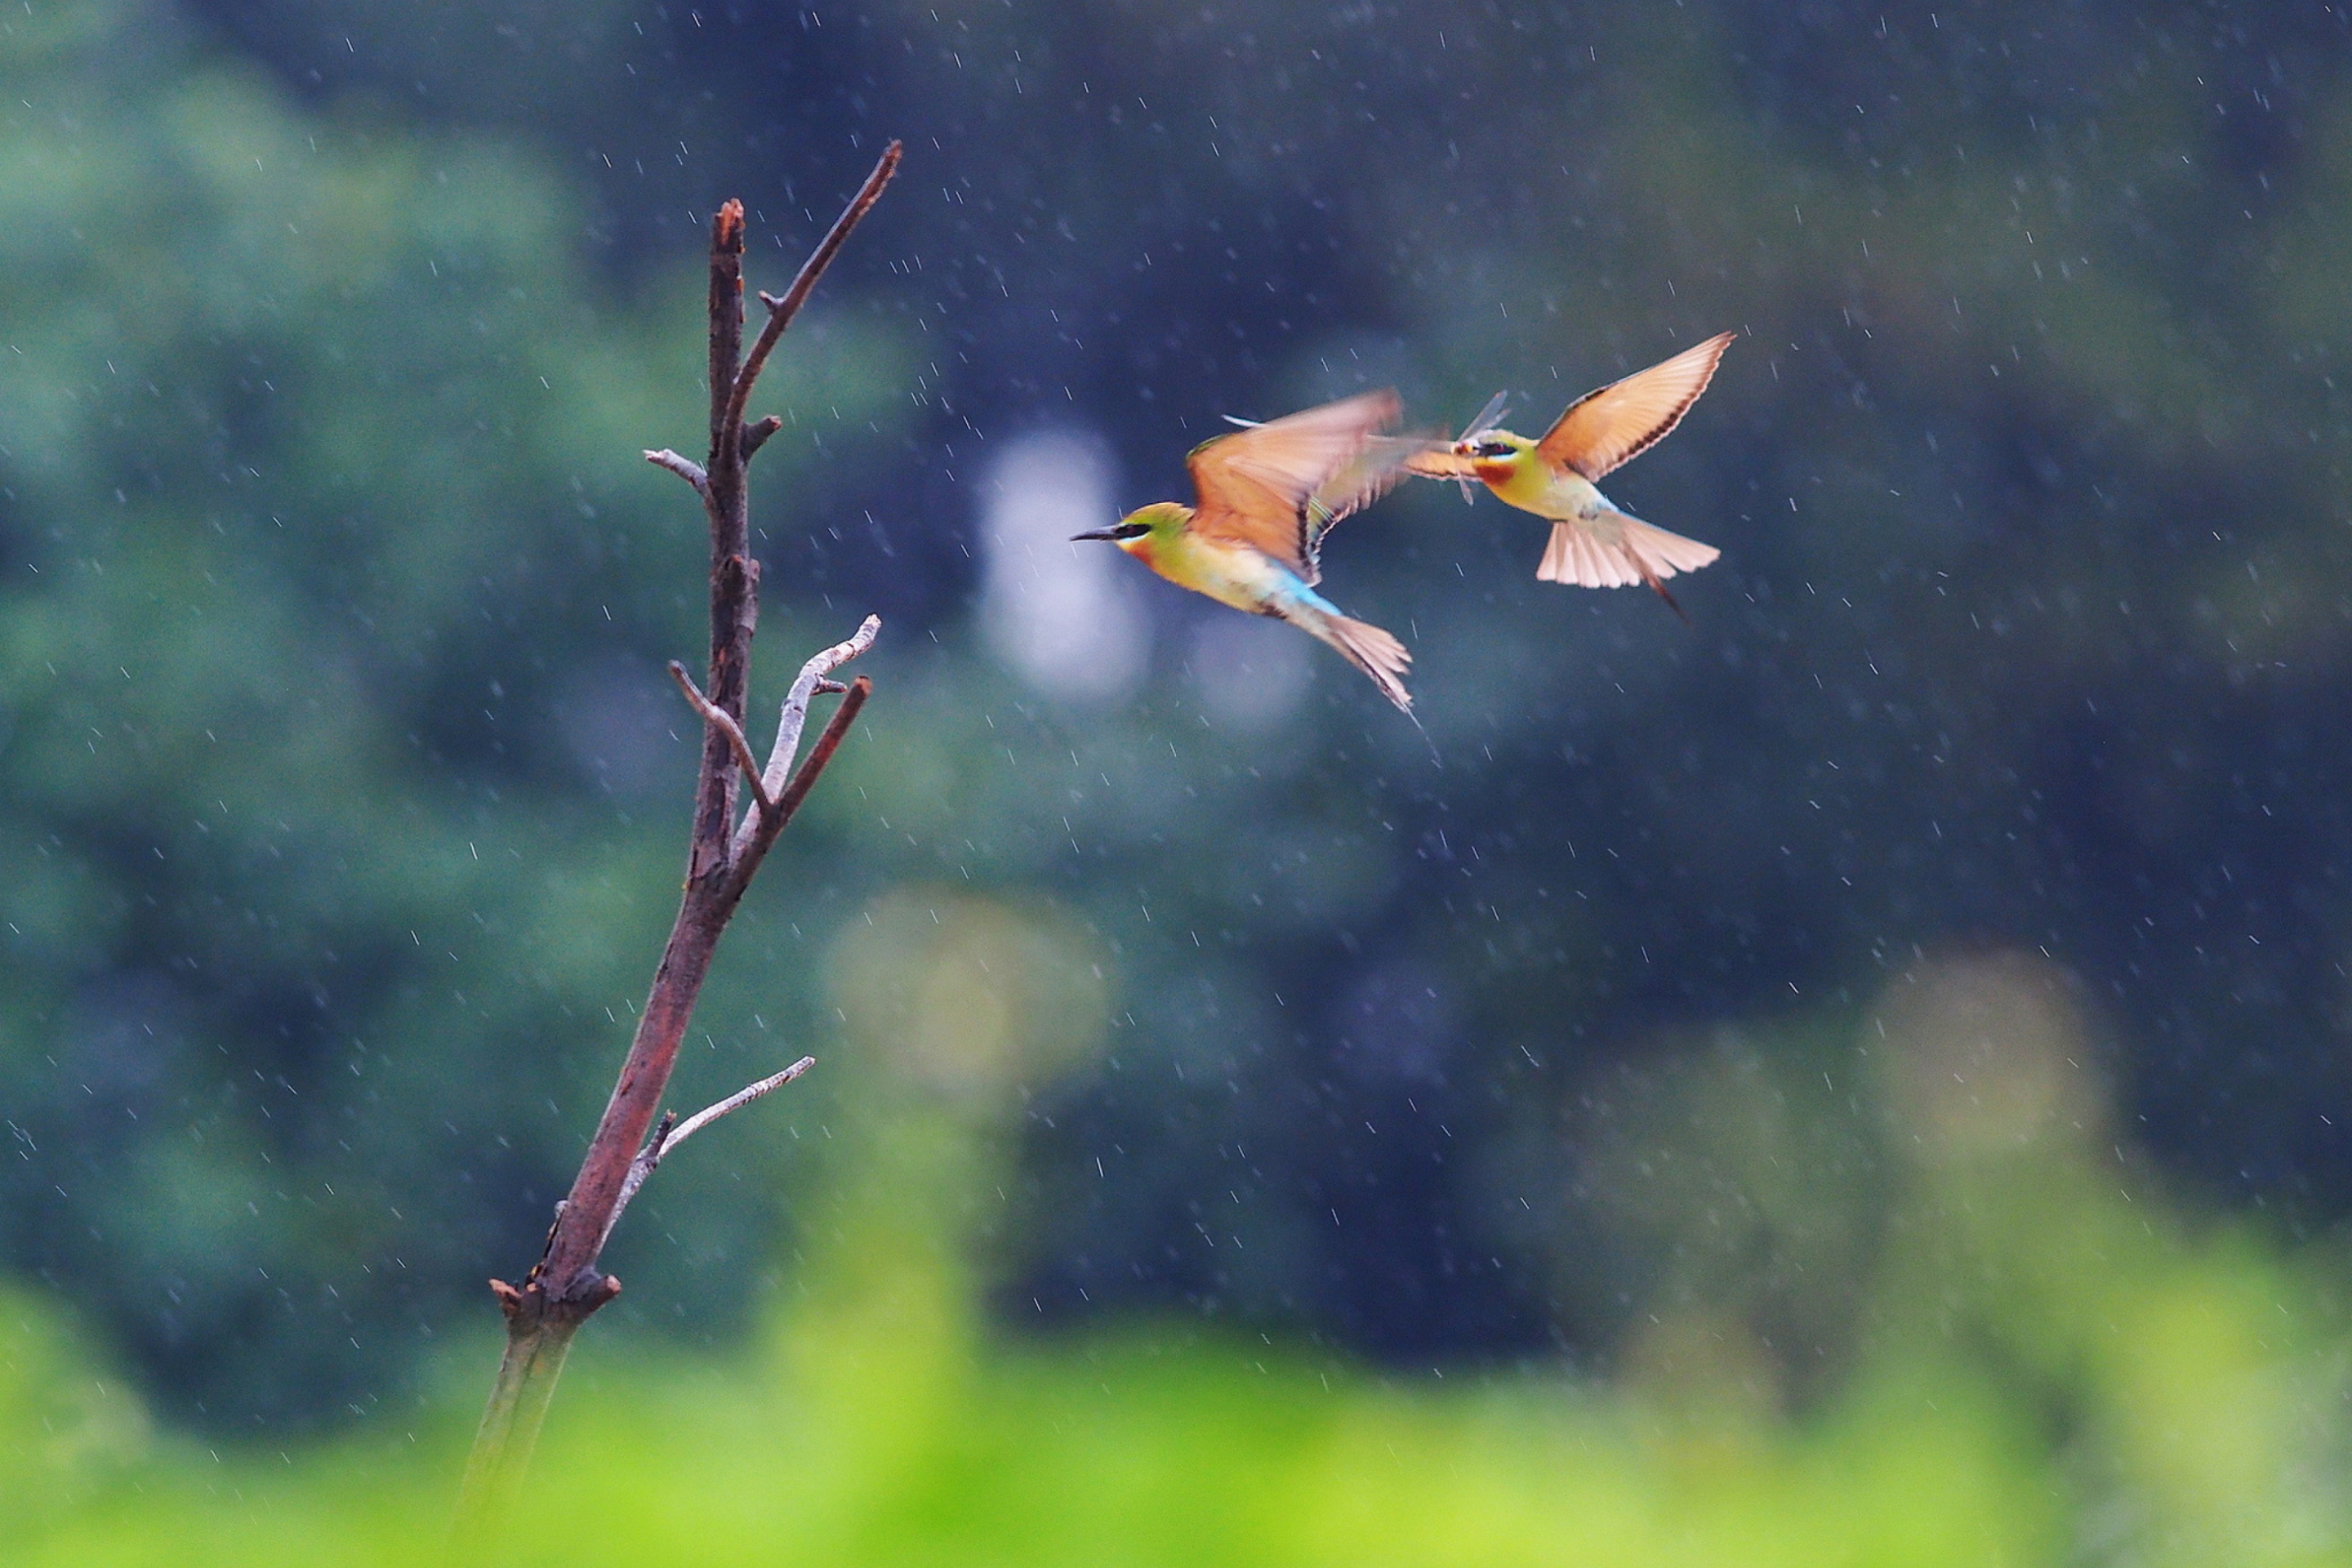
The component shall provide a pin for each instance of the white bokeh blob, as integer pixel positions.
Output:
(1063, 616)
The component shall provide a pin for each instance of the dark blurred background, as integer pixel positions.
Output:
(341, 798)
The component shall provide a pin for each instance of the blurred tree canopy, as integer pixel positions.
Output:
(333, 630)
(342, 803)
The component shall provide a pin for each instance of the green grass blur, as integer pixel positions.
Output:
(2052, 1364)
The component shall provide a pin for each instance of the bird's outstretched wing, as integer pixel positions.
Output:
(1277, 486)
(1604, 428)
(1368, 476)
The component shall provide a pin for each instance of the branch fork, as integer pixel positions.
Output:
(672, 1132)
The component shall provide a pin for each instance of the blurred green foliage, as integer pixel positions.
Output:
(333, 631)
(2182, 1404)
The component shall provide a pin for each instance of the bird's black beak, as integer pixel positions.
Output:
(1109, 534)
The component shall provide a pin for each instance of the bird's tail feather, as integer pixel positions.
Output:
(1622, 552)
(1371, 650)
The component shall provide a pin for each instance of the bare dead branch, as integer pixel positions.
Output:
(758, 833)
(726, 318)
(729, 1106)
(715, 874)
(811, 680)
(673, 1133)
(685, 469)
(734, 580)
(793, 717)
(713, 714)
(734, 584)
(565, 1287)
(781, 311)
(788, 800)
(756, 434)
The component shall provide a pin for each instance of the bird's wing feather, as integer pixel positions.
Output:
(1606, 427)
(1275, 487)
(1365, 478)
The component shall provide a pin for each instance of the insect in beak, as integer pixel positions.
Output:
(1488, 416)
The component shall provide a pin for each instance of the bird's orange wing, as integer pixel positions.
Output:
(1275, 487)
(1368, 476)
(1604, 428)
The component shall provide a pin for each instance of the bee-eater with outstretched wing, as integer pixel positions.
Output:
(1267, 495)
(1592, 544)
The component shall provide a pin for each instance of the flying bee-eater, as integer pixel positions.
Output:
(1592, 544)
(1266, 495)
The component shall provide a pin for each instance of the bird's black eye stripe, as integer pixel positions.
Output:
(1132, 530)
(1494, 449)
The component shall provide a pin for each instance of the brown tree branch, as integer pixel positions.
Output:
(789, 800)
(756, 434)
(734, 574)
(760, 832)
(781, 311)
(714, 714)
(564, 1287)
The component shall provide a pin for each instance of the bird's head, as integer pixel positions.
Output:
(1496, 454)
(1138, 531)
